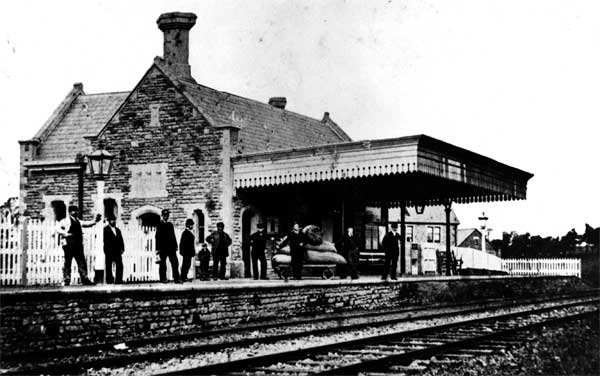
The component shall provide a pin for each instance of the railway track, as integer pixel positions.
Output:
(216, 340)
(392, 353)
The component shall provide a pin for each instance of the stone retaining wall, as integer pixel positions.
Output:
(45, 319)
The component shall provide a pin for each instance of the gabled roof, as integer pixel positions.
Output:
(263, 127)
(86, 115)
(464, 233)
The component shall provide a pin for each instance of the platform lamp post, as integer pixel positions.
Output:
(419, 209)
(99, 163)
(483, 219)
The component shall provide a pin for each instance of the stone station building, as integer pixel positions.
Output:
(214, 156)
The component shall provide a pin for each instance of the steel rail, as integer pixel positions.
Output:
(379, 365)
(259, 361)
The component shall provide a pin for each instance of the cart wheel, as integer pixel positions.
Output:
(285, 274)
(327, 274)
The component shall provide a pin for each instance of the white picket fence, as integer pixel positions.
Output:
(36, 240)
(550, 267)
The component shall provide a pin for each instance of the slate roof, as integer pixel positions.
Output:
(87, 114)
(262, 126)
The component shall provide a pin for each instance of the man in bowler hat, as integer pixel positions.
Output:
(187, 248)
(258, 242)
(166, 247)
(391, 246)
(220, 242)
(113, 249)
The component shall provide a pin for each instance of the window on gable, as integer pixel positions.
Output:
(154, 115)
(59, 208)
(200, 226)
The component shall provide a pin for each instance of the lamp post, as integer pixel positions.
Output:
(99, 164)
(483, 219)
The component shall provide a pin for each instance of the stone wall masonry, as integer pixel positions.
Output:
(44, 319)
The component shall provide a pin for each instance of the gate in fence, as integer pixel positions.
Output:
(31, 253)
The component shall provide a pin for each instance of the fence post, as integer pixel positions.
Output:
(24, 247)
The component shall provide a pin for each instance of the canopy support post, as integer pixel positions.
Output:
(402, 237)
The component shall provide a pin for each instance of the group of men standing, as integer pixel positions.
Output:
(70, 227)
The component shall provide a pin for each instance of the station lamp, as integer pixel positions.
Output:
(100, 163)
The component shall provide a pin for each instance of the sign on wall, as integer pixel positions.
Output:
(148, 180)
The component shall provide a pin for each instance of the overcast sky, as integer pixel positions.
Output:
(517, 81)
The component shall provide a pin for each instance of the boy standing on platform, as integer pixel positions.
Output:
(166, 247)
(187, 248)
(204, 258)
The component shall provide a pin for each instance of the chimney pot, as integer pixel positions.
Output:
(278, 102)
(176, 29)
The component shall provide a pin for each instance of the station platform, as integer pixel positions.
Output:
(49, 317)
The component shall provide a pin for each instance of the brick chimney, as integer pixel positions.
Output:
(176, 30)
(278, 102)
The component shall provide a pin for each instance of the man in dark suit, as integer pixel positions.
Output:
(113, 249)
(258, 241)
(166, 247)
(348, 247)
(391, 246)
(70, 228)
(187, 248)
(296, 241)
(220, 242)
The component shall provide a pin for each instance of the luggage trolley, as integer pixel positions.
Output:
(284, 271)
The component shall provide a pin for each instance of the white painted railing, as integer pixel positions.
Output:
(557, 267)
(36, 241)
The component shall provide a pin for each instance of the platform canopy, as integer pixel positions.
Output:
(416, 170)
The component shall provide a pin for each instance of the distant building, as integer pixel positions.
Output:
(428, 227)
(471, 238)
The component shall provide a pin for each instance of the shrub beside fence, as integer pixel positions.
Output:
(549, 267)
(35, 242)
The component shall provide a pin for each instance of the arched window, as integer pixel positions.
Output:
(111, 209)
(149, 219)
(200, 226)
(59, 208)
